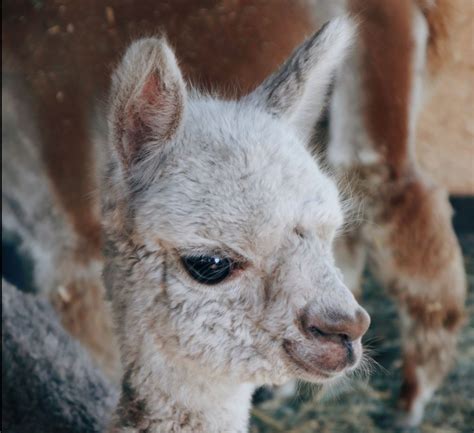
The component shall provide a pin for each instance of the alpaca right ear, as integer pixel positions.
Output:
(147, 101)
(297, 91)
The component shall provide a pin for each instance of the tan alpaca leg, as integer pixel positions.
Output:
(374, 111)
(428, 354)
(416, 254)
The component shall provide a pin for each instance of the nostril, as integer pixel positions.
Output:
(345, 338)
(316, 332)
(346, 341)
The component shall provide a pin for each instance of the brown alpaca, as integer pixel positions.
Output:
(407, 236)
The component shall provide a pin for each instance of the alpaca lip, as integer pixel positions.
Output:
(309, 366)
(313, 371)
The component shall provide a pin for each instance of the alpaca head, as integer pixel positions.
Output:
(219, 223)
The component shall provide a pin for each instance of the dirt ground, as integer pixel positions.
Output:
(369, 405)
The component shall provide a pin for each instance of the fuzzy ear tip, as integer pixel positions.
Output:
(144, 56)
(147, 46)
(342, 29)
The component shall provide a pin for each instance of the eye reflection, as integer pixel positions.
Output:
(208, 269)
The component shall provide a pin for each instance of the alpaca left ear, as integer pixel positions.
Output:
(297, 90)
(148, 100)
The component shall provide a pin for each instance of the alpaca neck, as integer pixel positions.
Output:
(165, 397)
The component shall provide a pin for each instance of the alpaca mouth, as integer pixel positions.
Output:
(321, 364)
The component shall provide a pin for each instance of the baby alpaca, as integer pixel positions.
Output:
(218, 241)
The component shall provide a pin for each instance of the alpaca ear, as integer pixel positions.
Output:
(147, 101)
(297, 90)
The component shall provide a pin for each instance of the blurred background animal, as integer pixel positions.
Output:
(57, 60)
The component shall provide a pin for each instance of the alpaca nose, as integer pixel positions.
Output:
(335, 326)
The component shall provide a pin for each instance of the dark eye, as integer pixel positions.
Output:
(208, 269)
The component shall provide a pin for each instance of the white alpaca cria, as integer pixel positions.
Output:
(218, 230)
